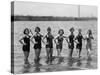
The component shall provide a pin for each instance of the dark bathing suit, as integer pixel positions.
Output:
(49, 39)
(71, 41)
(38, 39)
(79, 39)
(27, 42)
(60, 41)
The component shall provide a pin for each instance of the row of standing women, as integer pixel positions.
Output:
(37, 40)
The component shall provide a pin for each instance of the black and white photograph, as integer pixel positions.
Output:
(51, 37)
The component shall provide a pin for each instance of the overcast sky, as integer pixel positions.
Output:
(48, 9)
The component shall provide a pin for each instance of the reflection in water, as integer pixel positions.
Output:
(60, 60)
(88, 64)
(48, 70)
(37, 67)
(26, 68)
(70, 62)
(79, 63)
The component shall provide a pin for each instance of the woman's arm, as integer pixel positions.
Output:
(83, 38)
(43, 39)
(67, 40)
(41, 35)
(52, 36)
(75, 40)
(21, 41)
(31, 31)
(31, 39)
(55, 40)
(92, 37)
(64, 37)
(86, 37)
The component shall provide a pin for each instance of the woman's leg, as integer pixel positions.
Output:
(80, 52)
(47, 52)
(88, 47)
(26, 55)
(77, 50)
(35, 60)
(38, 56)
(58, 52)
(89, 52)
(71, 52)
(51, 53)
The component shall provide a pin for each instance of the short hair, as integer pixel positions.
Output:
(71, 29)
(26, 29)
(48, 29)
(38, 29)
(60, 31)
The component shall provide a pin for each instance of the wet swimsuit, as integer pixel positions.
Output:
(60, 41)
(27, 42)
(38, 39)
(49, 39)
(79, 39)
(71, 41)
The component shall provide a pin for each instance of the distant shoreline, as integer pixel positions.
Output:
(50, 18)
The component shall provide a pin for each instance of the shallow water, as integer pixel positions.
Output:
(66, 64)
